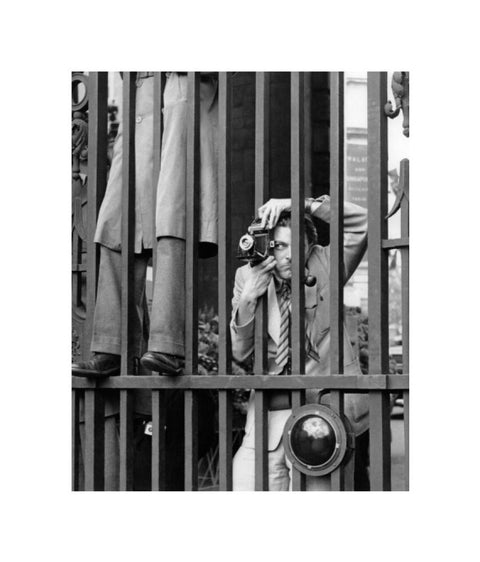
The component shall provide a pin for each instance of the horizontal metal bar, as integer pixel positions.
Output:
(395, 243)
(352, 383)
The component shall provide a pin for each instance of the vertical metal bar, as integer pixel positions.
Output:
(77, 281)
(261, 441)
(192, 222)
(405, 254)
(159, 421)
(297, 171)
(337, 158)
(94, 460)
(128, 279)
(158, 87)
(336, 220)
(377, 225)
(380, 455)
(191, 441)
(75, 440)
(262, 190)
(97, 181)
(406, 429)
(299, 481)
(224, 222)
(224, 278)
(307, 119)
(128, 224)
(126, 440)
(225, 440)
(191, 276)
(159, 406)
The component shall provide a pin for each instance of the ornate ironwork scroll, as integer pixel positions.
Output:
(400, 89)
(79, 206)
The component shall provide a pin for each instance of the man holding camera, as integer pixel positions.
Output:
(272, 277)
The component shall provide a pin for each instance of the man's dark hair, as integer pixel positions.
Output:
(285, 219)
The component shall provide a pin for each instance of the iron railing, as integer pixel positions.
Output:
(378, 383)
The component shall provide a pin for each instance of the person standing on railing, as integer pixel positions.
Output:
(166, 346)
(272, 277)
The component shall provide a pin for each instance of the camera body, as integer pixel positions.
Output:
(256, 245)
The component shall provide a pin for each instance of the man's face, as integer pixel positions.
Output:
(282, 235)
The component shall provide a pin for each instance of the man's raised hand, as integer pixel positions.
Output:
(271, 210)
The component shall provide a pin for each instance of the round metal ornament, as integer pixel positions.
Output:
(316, 439)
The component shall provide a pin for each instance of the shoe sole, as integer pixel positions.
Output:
(88, 373)
(161, 369)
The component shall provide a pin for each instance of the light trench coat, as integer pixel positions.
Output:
(171, 187)
(317, 325)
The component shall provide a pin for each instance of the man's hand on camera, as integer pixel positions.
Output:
(270, 211)
(258, 279)
(256, 285)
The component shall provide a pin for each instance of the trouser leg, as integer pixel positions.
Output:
(107, 317)
(167, 323)
(244, 470)
(313, 483)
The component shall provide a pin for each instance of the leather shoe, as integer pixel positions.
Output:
(100, 365)
(162, 363)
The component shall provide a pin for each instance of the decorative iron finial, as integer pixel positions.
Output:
(402, 189)
(400, 89)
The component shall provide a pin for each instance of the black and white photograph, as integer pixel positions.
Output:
(231, 330)
(251, 268)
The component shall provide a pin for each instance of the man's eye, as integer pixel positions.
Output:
(279, 245)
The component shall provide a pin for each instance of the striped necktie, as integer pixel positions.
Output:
(283, 341)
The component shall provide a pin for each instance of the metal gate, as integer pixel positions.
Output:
(379, 384)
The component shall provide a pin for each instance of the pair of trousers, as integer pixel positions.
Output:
(167, 323)
(279, 470)
(142, 474)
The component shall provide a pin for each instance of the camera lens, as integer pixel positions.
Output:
(246, 242)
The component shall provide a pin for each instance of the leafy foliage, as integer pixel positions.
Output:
(208, 356)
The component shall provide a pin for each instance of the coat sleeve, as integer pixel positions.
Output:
(243, 335)
(354, 232)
